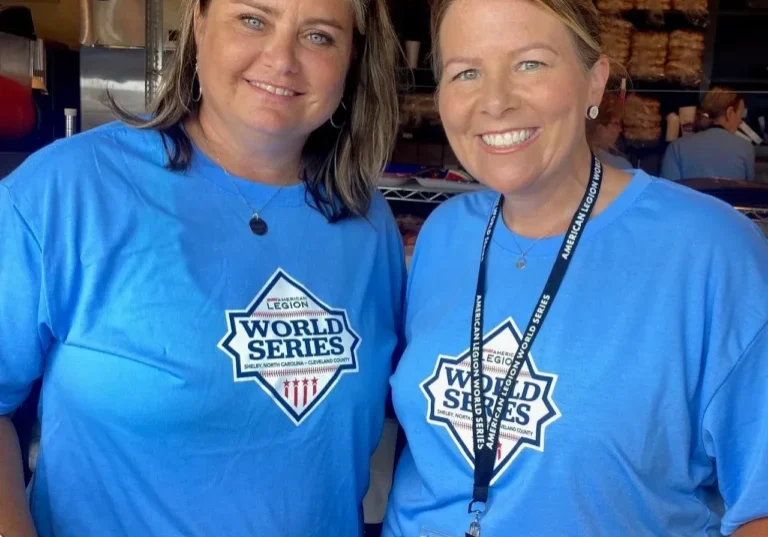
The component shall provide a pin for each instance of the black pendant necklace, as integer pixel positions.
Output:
(257, 225)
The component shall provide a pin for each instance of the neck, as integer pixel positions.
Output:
(722, 122)
(268, 161)
(547, 205)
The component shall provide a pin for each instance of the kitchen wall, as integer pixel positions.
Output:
(57, 21)
(60, 20)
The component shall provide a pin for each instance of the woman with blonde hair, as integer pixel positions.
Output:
(715, 150)
(211, 294)
(586, 348)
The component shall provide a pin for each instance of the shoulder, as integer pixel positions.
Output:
(379, 208)
(86, 171)
(700, 221)
(462, 212)
(73, 158)
(745, 145)
(380, 213)
(453, 225)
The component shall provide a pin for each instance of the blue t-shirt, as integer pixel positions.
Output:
(712, 153)
(647, 384)
(198, 379)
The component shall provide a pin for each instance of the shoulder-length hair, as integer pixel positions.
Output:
(340, 166)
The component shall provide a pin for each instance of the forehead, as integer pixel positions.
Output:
(495, 24)
(306, 7)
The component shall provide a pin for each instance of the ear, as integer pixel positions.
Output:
(598, 77)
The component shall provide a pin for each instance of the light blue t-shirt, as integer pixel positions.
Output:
(612, 159)
(647, 384)
(198, 380)
(714, 153)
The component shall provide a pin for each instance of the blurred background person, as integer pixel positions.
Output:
(714, 151)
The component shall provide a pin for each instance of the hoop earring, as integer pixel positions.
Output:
(592, 112)
(344, 107)
(196, 78)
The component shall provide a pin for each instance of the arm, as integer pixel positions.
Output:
(15, 519)
(24, 340)
(757, 528)
(735, 434)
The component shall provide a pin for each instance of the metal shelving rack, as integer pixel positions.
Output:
(417, 193)
(757, 214)
(421, 194)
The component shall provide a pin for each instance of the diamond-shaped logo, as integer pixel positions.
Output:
(291, 344)
(531, 409)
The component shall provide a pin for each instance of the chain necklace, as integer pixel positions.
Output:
(257, 224)
(522, 262)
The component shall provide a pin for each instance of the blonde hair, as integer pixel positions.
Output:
(340, 166)
(714, 106)
(580, 16)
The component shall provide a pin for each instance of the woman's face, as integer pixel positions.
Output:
(274, 66)
(513, 93)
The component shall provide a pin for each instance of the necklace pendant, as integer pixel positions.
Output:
(521, 263)
(257, 225)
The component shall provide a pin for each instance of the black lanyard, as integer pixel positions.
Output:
(486, 433)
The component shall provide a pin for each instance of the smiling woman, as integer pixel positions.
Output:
(329, 67)
(632, 312)
(211, 294)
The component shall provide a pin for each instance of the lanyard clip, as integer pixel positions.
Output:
(474, 527)
(478, 509)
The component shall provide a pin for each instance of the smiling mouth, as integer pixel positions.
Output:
(508, 139)
(275, 90)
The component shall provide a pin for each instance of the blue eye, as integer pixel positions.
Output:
(469, 74)
(252, 22)
(320, 39)
(529, 65)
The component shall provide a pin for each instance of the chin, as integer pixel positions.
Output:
(273, 123)
(508, 184)
(506, 179)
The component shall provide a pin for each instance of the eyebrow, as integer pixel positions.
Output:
(311, 22)
(261, 7)
(325, 22)
(460, 59)
(516, 52)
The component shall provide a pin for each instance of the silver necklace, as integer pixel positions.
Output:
(522, 262)
(257, 224)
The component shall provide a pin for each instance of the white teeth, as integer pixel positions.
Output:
(277, 91)
(508, 139)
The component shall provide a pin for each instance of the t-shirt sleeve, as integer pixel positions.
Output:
(735, 431)
(670, 168)
(25, 334)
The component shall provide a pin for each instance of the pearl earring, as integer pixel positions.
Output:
(593, 112)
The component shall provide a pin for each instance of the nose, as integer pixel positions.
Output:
(499, 95)
(280, 52)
